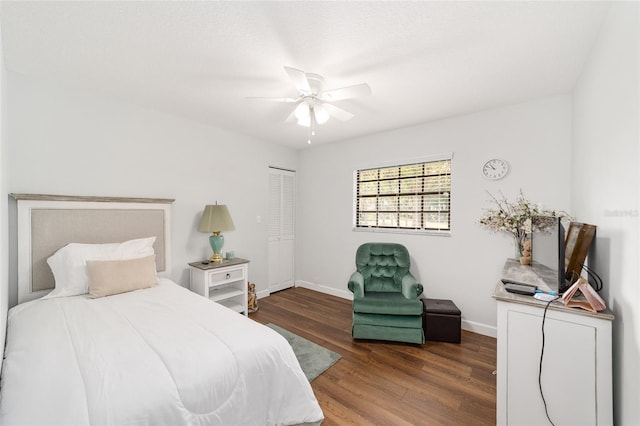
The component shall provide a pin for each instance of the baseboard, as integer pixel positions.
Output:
(262, 293)
(311, 286)
(344, 294)
(476, 327)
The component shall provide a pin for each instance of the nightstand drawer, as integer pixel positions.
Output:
(221, 277)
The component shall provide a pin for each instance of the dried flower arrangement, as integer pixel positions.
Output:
(520, 218)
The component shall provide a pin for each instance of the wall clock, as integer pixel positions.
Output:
(495, 169)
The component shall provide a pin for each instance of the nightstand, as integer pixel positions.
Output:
(224, 283)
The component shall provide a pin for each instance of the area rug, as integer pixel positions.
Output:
(313, 358)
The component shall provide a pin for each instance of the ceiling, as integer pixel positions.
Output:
(424, 61)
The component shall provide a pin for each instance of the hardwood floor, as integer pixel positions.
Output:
(387, 383)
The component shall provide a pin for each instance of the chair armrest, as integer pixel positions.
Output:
(411, 288)
(356, 284)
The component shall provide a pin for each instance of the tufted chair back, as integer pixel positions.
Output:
(382, 266)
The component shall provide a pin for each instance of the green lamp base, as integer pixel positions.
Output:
(216, 241)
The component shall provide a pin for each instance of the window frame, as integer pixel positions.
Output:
(398, 230)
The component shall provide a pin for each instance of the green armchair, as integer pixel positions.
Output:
(385, 295)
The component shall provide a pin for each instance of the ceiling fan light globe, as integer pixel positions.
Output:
(322, 115)
(304, 121)
(302, 112)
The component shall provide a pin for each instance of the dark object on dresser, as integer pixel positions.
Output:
(577, 246)
(441, 320)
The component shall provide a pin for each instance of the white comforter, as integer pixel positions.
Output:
(157, 356)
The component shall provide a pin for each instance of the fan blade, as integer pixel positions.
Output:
(299, 78)
(287, 100)
(348, 92)
(338, 113)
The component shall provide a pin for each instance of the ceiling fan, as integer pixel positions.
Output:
(314, 104)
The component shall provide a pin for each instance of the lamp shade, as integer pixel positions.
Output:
(216, 218)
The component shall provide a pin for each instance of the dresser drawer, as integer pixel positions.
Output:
(220, 277)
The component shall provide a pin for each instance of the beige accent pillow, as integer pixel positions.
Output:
(107, 277)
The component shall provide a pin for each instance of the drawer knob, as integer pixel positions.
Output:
(228, 276)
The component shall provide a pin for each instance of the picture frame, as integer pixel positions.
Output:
(577, 246)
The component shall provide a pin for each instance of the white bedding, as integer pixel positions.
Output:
(156, 356)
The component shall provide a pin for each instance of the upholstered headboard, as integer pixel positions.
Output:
(49, 222)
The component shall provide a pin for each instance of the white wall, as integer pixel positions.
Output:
(535, 138)
(63, 142)
(605, 185)
(4, 224)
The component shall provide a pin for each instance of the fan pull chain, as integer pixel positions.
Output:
(312, 124)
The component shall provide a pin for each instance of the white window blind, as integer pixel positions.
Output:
(412, 197)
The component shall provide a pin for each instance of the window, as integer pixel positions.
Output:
(413, 197)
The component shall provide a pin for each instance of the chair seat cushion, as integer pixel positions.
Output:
(387, 303)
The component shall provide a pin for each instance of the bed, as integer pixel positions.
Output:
(151, 356)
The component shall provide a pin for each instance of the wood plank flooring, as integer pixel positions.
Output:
(388, 383)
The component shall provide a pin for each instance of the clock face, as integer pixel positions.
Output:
(495, 169)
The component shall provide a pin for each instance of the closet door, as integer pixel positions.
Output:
(281, 228)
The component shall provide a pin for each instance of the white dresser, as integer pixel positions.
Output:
(576, 368)
(224, 283)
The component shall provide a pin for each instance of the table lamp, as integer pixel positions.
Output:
(216, 219)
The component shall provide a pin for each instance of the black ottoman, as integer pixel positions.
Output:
(441, 320)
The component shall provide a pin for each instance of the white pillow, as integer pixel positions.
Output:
(69, 266)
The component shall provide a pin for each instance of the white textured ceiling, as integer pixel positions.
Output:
(199, 60)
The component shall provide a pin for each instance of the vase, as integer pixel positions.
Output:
(517, 249)
(523, 250)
